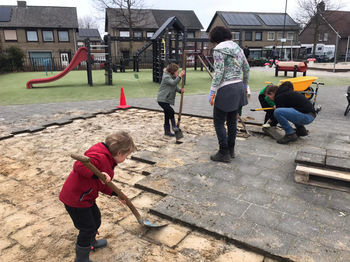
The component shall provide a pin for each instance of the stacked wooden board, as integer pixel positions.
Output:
(329, 168)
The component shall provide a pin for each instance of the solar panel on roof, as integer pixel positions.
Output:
(5, 14)
(276, 19)
(240, 19)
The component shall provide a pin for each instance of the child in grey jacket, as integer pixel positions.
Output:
(166, 95)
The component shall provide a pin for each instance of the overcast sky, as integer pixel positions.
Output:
(204, 9)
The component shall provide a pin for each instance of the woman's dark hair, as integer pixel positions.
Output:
(287, 84)
(219, 34)
(271, 89)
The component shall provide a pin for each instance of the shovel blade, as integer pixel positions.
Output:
(147, 223)
(178, 134)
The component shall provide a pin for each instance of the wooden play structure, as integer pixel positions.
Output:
(291, 66)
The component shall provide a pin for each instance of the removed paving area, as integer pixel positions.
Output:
(248, 210)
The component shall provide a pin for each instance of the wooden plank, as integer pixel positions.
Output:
(339, 175)
(322, 178)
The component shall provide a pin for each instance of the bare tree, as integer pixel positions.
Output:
(311, 12)
(87, 22)
(127, 13)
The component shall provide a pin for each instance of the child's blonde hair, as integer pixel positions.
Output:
(121, 142)
(172, 68)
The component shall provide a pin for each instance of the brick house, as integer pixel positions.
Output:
(95, 39)
(260, 31)
(146, 23)
(42, 32)
(331, 23)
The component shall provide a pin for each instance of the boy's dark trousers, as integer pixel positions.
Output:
(226, 140)
(269, 113)
(169, 113)
(87, 221)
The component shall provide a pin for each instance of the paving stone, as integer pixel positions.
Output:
(36, 129)
(342, 164)
(299, 227)
(310, 159)
(251, 181)
(307, 250)
(274, 174)
(289, 205)
(262, 216)
(313, 150)
(19, 131)
(335, 238)
(145, 157)
(325, 216)
(258, 197)
(87, 116)
(338, 153)
(62, 122)
(171, 235)
(270, 240)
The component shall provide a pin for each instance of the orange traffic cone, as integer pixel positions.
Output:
(122, 100)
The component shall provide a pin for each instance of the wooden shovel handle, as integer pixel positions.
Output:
(86, 162)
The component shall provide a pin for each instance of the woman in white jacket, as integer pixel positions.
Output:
(228, 90)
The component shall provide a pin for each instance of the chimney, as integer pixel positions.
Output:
(321, 7)
(21, 3)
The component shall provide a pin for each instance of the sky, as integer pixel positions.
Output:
(204, 9)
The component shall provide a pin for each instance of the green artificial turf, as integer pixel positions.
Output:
(74, 86)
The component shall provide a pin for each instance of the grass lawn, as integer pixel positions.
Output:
(74, 87)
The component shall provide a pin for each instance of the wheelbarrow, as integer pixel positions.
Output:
(303, 84)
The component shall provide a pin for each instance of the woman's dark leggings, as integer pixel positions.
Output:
(87, 221)
(169, 113)
(226, 139)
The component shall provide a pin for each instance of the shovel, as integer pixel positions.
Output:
(142, 221)
(178, 133)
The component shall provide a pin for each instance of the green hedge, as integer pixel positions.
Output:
(11, 59)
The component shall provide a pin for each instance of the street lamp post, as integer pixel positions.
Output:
(284, 27)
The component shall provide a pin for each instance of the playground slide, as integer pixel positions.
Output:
(80, 55)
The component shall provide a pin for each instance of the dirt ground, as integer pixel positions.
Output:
(35, 225)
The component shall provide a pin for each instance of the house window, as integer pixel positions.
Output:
(40, 58)
(150, 34)
(320, 37)
(124, 34)
(10, 35)
(279, 35)
(270, 36)
(235, 35)
(258, 36)
(190, 34)
(137, 34)
(63, 36)
(48, 36)
(248, 36)
(325, 37)
(32, 36)
(290, 36)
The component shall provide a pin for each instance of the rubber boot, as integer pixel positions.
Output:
(288, 138)
(301, 131)
(167, 131)
(100, 243)
(223, 155)
(82, 254)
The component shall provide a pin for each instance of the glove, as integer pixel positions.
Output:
(211, 97)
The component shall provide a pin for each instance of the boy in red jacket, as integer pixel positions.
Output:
(81, 189)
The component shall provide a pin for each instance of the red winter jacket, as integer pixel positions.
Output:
(82, 186)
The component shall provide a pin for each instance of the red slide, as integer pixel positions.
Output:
(80, 56)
